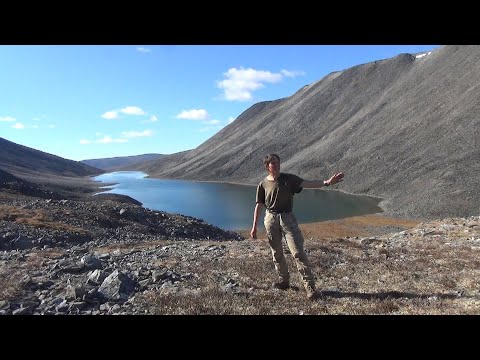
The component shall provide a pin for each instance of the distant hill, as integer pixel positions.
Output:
(122, 162)
(406, 129)
(19, 159)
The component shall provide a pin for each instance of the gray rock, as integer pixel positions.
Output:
(117, 286)
(91, 262)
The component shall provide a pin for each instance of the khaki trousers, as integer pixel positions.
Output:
(277, 226)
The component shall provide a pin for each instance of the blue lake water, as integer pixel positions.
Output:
(231, 206)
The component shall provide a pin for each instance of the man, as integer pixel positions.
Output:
(275, 192)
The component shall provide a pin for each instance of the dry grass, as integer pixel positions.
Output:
(351, 227)
(427, 276)
(415, 274)
(13, 278)
(10, 283)
(34, 218)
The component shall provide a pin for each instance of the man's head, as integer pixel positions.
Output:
(272, 162)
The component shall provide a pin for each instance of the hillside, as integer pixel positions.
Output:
(27, 171)
(405, 129)
(19, 159)
(118, 163)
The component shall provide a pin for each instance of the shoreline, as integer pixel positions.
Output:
(355, 226)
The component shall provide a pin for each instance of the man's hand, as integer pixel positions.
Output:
(253, 233)
(336, 178)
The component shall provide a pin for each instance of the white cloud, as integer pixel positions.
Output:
(194, 114)
(152, 119)
(241, 83)
(216, 125)
(143, 49)
(108, 139)
(292, 74)
(7, 118)
(18, 126)
(35, 126)
(132, 110)
(128, 110)
(203, 116)
(51, 126)
(109, 115)
(135, 134)
(39, 118)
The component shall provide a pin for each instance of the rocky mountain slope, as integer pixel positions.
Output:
(22, 160)
(405, 129)
(27, 171)
(116, 163)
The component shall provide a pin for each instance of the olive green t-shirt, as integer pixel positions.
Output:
(277, 195)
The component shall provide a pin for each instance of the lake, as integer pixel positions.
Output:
(231, 206)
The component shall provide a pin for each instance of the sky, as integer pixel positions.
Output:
(100, 101)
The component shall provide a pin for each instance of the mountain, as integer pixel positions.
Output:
(19, 159)
(118, 163)
(405, 129)
(26, 171)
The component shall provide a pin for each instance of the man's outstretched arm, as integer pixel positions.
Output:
(313, 184)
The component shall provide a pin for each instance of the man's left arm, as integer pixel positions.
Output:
(315, 184)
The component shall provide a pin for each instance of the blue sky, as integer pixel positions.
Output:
(87, 102)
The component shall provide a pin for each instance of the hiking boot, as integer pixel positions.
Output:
(283, 285)
(311, 293)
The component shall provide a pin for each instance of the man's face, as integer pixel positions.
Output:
(274, 166)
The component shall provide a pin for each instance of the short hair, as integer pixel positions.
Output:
(269, 158)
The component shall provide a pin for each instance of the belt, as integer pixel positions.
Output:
(279, 211)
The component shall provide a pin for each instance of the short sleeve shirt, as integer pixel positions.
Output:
(277, 195)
